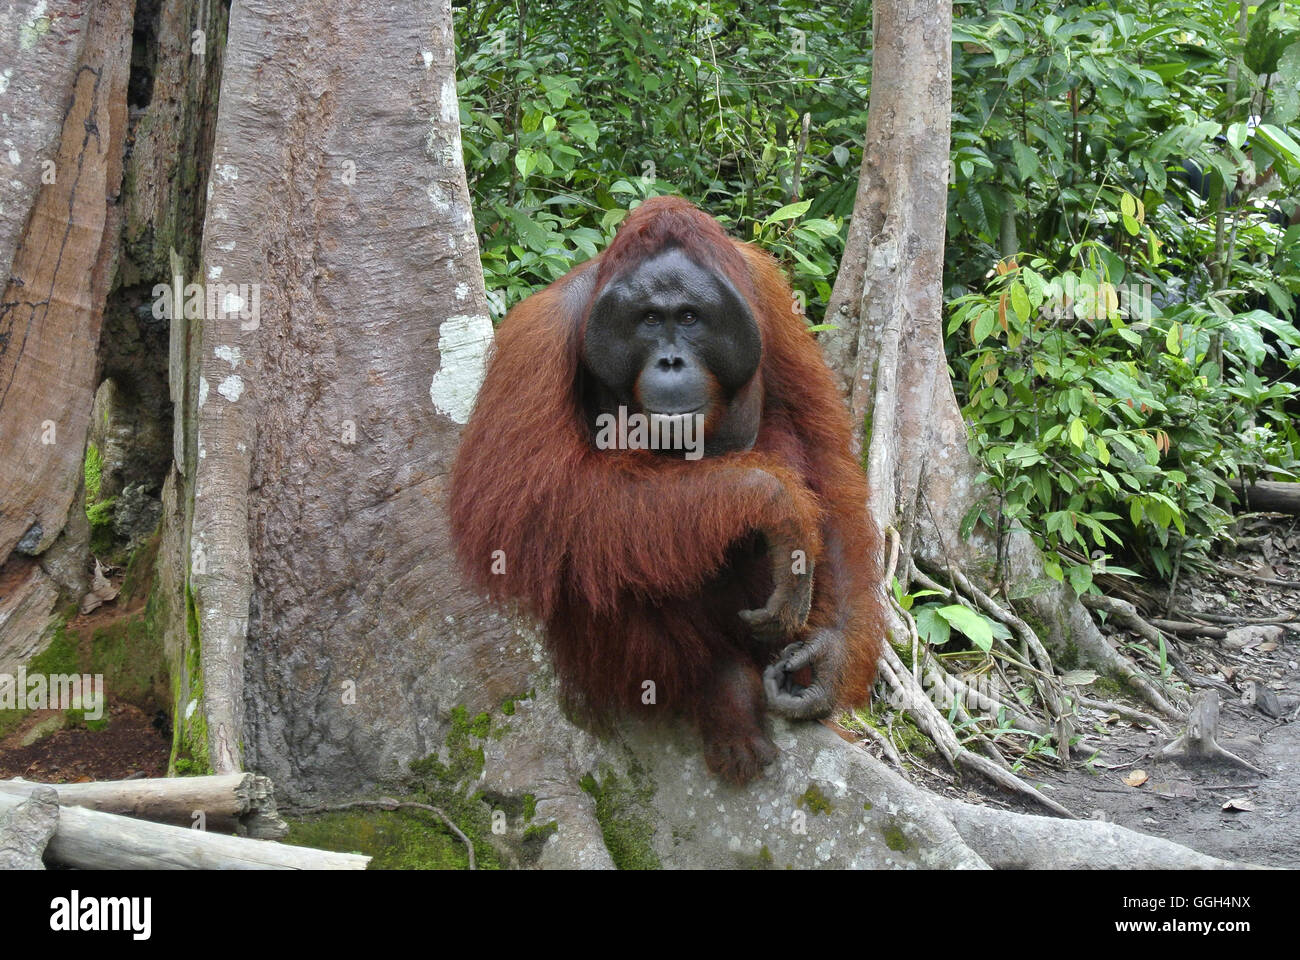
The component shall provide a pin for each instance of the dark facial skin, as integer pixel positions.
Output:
(671, 337)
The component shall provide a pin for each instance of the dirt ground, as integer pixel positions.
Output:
(135, 741)
(1184, 801)
(133, 744)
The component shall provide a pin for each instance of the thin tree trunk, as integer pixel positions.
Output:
(888, 303)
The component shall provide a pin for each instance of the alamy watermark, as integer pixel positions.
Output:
(55, 691)
(654, 431)
(212, 301)
(1070, 297)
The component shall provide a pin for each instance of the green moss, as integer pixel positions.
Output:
(94, 469)
(9, 721)
(140, 568)
(895, 839)
(908, 736)
(622, 810)
(465, 758)
(100, 516)
(62, 655)
(444, 776)
(815, 801)
(867, 805)
(78, 718)
(191, 617)
(1106, 687)
(397, 839)
(903, 732)
(539, 832)
(902, 644)
(129, 653)
(190, 733)
(530, 807)
(481, 726)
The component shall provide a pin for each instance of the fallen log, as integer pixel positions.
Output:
(106, 841)
(1270, 495)
(242, 803)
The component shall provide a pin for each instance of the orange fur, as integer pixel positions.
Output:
(638, 562)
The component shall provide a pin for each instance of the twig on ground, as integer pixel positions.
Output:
(1126, 713)
(1257, 578)
(1231, 621)
(883, 742)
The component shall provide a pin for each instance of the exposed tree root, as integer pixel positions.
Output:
(1188, 629)
(936, 727)
(1126, 713)
(1044, 680)
(938, 698)
(1127, 614)
(921, 707)
(1009, 840)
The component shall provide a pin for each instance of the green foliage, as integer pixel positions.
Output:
(1103, 421)
(591, 108)
(1146, 355)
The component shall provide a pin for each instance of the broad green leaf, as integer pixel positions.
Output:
(972, 624)
(931, 627)
(790, 211)
(1020, 301)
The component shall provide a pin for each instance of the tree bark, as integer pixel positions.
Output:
(63, 110)
(325, 424)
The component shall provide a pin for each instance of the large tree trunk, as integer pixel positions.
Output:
(63, 115)
(319, 557)
(86, 257)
